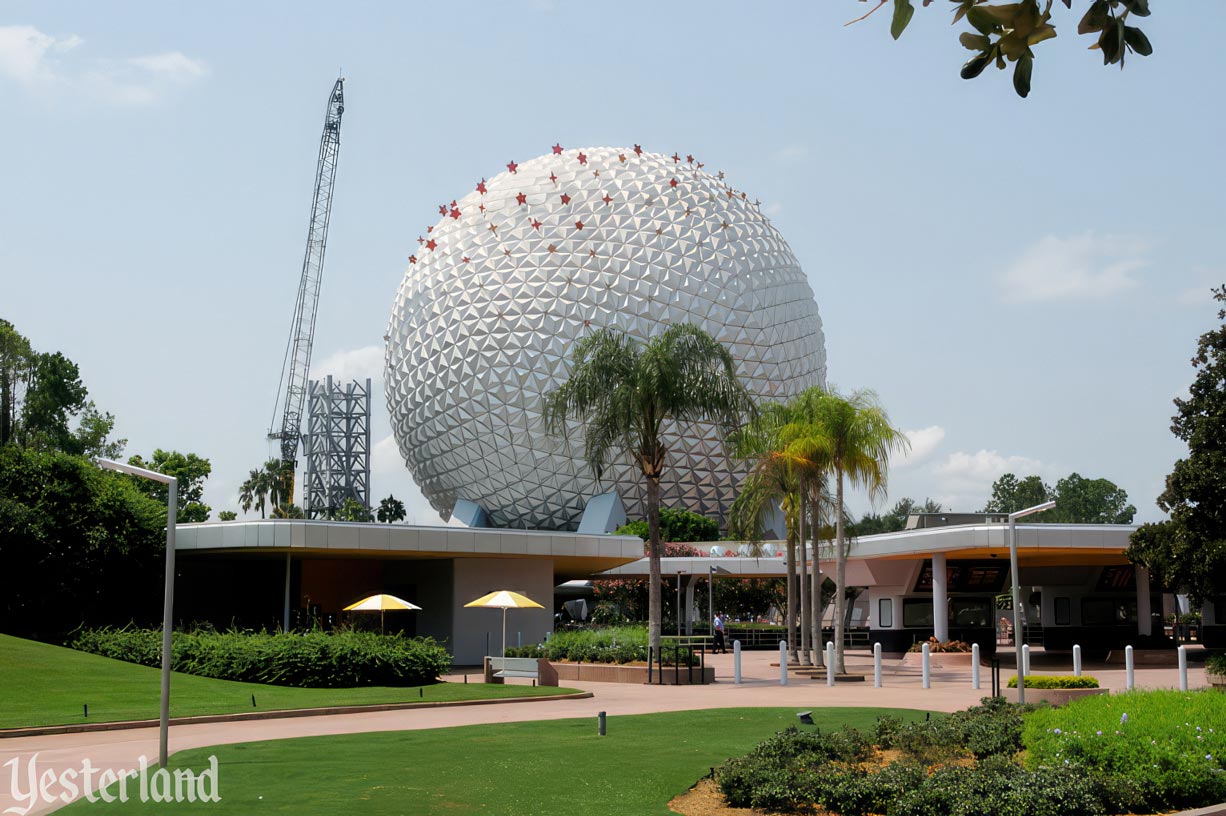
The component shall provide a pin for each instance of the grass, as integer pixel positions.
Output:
(49, 685)
(550, 767)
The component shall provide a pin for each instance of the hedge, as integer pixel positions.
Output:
(1056, 681)
(616, 644)
(1216, 663)
(342, 659)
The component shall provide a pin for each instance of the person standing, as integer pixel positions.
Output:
(719, 647)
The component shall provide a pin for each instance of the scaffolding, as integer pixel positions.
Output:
(337, 447)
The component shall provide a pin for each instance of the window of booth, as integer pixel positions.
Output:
(885, 613)
(971, 611)
(916, 612)
(1064, 611)
(1108, 611)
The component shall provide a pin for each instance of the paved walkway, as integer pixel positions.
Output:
(902, 688)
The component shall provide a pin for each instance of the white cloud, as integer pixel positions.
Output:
(772, 209)
(1078, 268)
(923, 442)
(47, 65)
(352, 364)
(963, 481)
(390, 476)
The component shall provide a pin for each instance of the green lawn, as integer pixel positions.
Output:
(550, 767)
(49, 685)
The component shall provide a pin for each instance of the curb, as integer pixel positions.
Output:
(279, 714)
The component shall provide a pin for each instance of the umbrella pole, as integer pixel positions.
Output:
(380, 621)
(504, 632)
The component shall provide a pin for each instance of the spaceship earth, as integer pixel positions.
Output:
(498, 290)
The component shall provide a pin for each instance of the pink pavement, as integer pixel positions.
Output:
(902, 688)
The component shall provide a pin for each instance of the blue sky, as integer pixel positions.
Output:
(1022, 281)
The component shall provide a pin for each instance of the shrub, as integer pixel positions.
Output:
(1216, 664)
(342, 659)
(937, 647)
(1056, 681)
(615, 644)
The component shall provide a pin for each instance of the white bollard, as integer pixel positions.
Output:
(829, 664)
(1026, 660)
(876, 665)
(974, 665)
(1130, 683)
(736, 661)
(1076, 660)
(1183, 668)
(927, 669)
(783, 662)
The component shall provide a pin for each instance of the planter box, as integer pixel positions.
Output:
(1056, 697)
(942, 660)
(612, 673)
(1217, 681)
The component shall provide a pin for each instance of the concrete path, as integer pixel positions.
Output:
(951, 690)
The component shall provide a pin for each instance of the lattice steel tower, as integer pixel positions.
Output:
(292, 390)
(337, 447)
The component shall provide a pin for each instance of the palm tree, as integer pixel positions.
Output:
(275, 483)
(625, 392)
(247, 491)
(854, 438)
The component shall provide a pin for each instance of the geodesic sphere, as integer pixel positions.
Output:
(497, 292)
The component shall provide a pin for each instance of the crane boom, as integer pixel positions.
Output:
(291, 391)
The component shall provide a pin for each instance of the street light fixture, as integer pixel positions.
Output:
(172, 513)
(1017, 593)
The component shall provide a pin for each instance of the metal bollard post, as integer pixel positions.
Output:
(996, 677)
(1076, 660)
(1025, 667)
(736, 661)
(600, 724)
(877, 665)
(830, 664)
(1183, 668)
(975, 665)
(783, 662)
(1131, 682)
(519, 639)
(927, 669)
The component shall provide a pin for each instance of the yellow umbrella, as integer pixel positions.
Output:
(505, 599)
(380, 604)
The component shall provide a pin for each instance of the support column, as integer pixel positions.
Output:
(940, 598)
(689, 604)
(1144, 620)
(285, 618)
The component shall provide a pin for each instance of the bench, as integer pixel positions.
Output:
(538, 670)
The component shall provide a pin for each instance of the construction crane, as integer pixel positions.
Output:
(296, 367)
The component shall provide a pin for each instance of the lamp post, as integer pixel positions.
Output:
(1017, 592)
(711, 601)
(679, 574)
(172, 514)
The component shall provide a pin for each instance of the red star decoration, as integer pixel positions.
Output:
(582, 159)
(578, 225)
(412, 259)
(621, 157)
(688, 211)
(607, 199)
(701, 165)
(429, 230)
(587, 324)
(596, 173)
(557, 148)
(442, 209)
(724, 224)
(464, 259)
(454, 213)
(453, 204)
(638, 151)
(565, 198)
(553, 178)
(720, 175)
(659, 231)
(521, 199)
(676, 158)
(672, 182)
(481, 187)
(731, 192)
(481, 207)
(689, 159)
(512, 166)
(591, 253)
(536, 225)
(553, 248)
(494, 228)
(420, 240)
(431, 244)
(507, 252)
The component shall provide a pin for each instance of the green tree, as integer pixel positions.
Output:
(1090, 501)
(1002, 33)
(191, 471)
(227, 515)
(251, 493)
(676, 526)
(92, 437)
(1010, 494)
(391, 510)
(352, 510)
(54, 396)
(16, 363)
(852, 436)
(626, 392)
(1188, 551)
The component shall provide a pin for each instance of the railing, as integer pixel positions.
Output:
(769, 638)
(693, 646)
